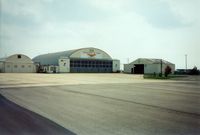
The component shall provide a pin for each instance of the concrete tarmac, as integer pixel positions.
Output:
(15, 120)
(130, 107)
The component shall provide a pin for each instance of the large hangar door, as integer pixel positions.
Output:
(139, 69)
(93, 66)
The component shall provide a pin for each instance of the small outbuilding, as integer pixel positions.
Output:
(148, 66)
(17, 63)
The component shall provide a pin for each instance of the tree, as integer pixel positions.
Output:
(194, 71)
(168, 70)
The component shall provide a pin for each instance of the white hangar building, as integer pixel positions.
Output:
(148, 66)
(82, 60)
(17, 63)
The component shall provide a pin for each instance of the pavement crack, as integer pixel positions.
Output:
(134, 102)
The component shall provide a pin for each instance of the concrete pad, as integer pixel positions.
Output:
(109, 104)
(15, 120)
(26, 79)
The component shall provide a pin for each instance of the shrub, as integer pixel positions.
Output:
(194, 71)
(168, 70)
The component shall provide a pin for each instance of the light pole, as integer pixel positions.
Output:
(161, 66)
(127, 60)
(185, 62)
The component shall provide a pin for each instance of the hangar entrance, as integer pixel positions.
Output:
(139, 69)
(18, 68)
(90, 66)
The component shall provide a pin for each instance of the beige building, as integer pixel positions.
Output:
(148, 66)
(17, 63)
(83, 60)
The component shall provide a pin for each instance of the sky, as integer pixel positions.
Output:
(125, 29)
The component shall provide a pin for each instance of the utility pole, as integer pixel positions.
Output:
(185, 62)
(127, 60)
(161, 65)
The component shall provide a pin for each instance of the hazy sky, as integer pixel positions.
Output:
(166, 29)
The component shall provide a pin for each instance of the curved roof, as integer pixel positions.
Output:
(14, 57)
(52, 58)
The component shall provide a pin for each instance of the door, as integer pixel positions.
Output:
(139, 69)
(132, 70)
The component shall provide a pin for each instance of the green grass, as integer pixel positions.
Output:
(156, 76)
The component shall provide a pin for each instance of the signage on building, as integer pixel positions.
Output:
(91, 53)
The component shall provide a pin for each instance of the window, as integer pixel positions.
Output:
(52, 68)
(15, 66)
(8, 66)
(75, 65)
(19, 56)
(22, 66)
(29, 66)
(84, 62)
(64, 64)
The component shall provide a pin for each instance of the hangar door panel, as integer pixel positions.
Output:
(16, 68)
(8, 68)
(91, 66)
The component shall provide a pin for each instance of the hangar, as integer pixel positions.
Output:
(17, 63)
(148, 66)
(82, 60)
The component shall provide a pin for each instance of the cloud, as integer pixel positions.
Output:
(187, 10)
(123, 28)
(158, 14)
(21, 8)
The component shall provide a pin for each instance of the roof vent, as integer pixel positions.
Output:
(19, 56)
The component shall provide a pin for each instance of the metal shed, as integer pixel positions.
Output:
(17, 63)
(148, 66)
